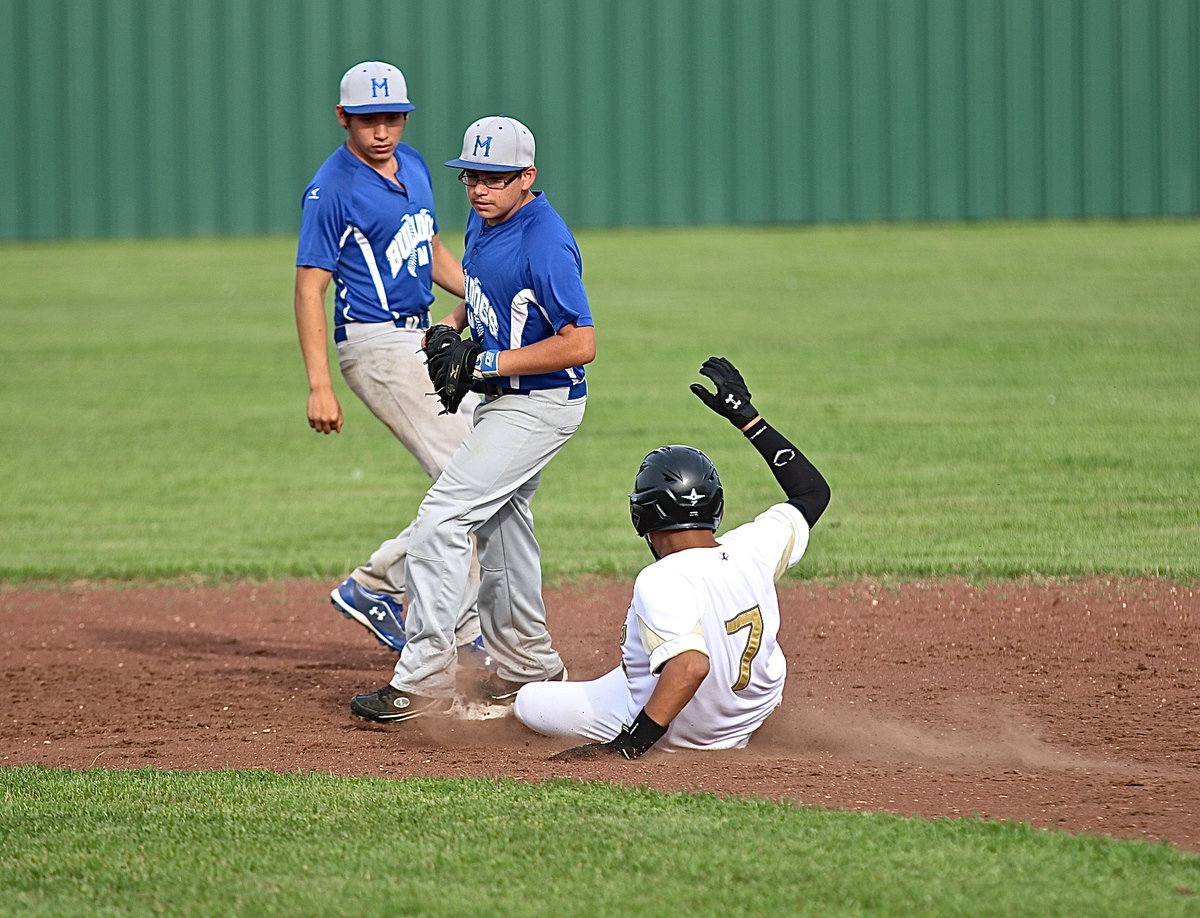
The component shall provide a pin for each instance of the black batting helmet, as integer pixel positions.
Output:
(677, 487)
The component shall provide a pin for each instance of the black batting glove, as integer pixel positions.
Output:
(732, 399)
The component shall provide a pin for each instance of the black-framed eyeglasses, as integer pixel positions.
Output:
(489, 179)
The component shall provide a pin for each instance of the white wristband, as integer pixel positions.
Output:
(485, 364)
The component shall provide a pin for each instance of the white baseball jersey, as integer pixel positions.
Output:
(721, 602)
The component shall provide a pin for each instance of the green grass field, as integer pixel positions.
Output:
(255, 843)
(986, 401)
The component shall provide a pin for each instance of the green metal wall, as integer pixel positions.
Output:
(179, 117)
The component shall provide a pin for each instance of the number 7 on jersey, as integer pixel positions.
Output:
(752, 619)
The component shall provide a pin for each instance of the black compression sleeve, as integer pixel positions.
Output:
(805, 487)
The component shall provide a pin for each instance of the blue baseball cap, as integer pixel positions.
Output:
(374, 86)
(496, 144)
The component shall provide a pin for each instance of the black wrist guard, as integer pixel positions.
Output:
(633, 741)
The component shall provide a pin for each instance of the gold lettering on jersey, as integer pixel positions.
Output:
(624, 634)
(752, 619)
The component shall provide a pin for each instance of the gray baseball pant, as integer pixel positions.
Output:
(383, 365)
(486, 490)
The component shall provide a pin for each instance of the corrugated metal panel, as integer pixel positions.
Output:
(135, 117)
(1100, 81)
(1180, 124)
(983, 103)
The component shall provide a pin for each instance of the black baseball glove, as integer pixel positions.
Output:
(438, 341)
(732, 399)
(451, 365)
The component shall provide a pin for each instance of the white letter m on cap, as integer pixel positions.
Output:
(377, 85)
(485, 144)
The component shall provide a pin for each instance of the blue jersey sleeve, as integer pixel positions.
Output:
(322, 222)
(556, 270)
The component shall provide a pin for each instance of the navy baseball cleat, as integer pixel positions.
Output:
(390, 705)
(377, 612)
(475, 656)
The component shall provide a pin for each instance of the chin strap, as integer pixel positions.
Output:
(650, 545)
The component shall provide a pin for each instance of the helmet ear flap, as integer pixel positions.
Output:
(646, 513)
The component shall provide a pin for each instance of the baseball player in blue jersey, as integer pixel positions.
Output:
(528, 313)
(368, 225)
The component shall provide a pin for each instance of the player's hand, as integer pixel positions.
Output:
(732, 398)
(324, 412)
(624, 744)
(588, 751)
(612, 749)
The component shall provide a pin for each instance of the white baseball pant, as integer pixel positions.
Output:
(586, 711)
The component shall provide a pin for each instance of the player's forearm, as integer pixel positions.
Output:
(316, 357)
(456, 318)
(805, 487)
(311, 328)
(573, 346)
(447, 269)
(678, 682)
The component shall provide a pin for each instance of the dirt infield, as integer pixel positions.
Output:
(1066, 705)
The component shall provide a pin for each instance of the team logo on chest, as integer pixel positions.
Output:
(479, 308)
(411, 247)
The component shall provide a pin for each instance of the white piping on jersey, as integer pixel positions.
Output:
(344, 291)
(368, 255)
(519, 312)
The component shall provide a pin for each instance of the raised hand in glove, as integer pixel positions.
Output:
(631, 743)
(732, 399)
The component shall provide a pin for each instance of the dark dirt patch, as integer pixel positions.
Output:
(1065, 705)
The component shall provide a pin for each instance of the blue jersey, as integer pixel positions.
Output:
(375, 238)
(524, 283)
